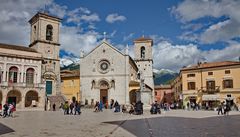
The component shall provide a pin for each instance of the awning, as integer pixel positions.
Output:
(210, 97)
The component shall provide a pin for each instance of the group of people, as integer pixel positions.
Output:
(7, 110)
(223, 108)
(135, 108)
(155, 108)
(98, 106)
(72, 108)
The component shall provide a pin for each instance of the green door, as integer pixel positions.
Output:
(49, 87)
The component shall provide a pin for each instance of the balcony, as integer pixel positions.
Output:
(211, 90)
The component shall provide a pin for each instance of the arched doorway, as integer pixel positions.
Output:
(133, 96)
(14, 97)
(31, 98)
(104, 86)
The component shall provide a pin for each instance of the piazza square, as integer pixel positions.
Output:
(108, 69)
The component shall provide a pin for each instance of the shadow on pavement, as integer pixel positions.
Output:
(222, 126)
(4, 129)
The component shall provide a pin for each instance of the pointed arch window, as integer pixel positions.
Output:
(49, 32)
(142, 52)
(13, 74)
(30, 76)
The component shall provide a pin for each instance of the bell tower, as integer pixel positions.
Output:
(44, 38)
(144, 62)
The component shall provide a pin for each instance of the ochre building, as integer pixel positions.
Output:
(70, 84)
(208, 84)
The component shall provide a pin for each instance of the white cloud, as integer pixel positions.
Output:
(14, 16)
(57, 10)
(14, 27)
(90, 18)
(73, 40)
(82, 14)
(111, 18)
(190, 10)
(169, 56)
(129, 36)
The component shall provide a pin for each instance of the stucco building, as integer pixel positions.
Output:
(70, 84)
(28, 75)
(164, 94)
(208, 84)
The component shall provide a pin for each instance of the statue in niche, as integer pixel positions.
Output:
(93, 84)
(113, 84)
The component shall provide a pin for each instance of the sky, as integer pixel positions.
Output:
(184, 32)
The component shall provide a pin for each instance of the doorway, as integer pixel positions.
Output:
(104, 95)
(49, 87)
(12, 100)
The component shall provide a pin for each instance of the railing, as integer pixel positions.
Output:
(26, 85)
(214, 90)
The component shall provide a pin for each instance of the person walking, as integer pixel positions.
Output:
(54, 107)
(220, 107)
(71, 108)
(101, 106)
(5, 110)
(0, 109)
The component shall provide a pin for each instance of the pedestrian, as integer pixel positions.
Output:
(124, 109)
(131, 111)
(5, 109)
(71, 108)
(220, 107)
(54, 107)
(188, 106)
(0, 109)
(66, 108)
(96, 108)
(116, 107)
(111, 103)
(101, 106)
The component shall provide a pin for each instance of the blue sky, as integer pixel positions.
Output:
(184, 31)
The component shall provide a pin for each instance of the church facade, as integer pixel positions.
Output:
(30, 75)
(106, 73)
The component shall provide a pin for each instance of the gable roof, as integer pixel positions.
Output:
(211, 65)
(143, 39)
(105, 42)
(15, 47)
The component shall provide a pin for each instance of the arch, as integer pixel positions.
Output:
(14, 97)
(142, 52)
(103, 84)
(30, 76)
(30, 98)
(49, 32)
(133, 96)
(13, 74)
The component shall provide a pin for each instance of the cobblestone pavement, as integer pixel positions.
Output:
(175, 123)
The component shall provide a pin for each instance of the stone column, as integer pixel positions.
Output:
(4, 97)
(22, 103)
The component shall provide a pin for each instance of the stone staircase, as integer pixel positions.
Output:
(57, 99)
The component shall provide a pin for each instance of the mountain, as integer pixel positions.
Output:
(69, 63)
(163, 76)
